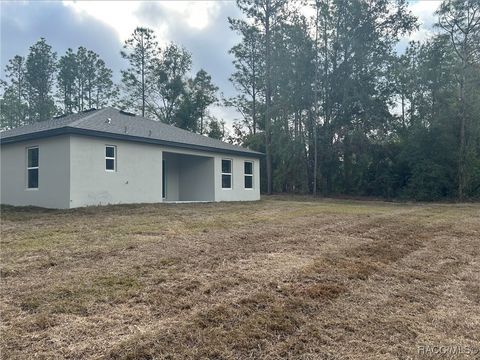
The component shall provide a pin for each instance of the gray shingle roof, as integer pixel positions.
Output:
(113, 123)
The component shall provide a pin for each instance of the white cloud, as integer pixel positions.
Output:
(424, 10)
(196, 14)
(123, 16)
(116, 14)
(201, 26)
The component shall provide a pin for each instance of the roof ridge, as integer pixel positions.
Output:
(141, 128)
(92, 113)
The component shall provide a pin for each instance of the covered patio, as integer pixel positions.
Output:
(187, 178)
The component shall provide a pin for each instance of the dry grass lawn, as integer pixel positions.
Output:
(285, 277)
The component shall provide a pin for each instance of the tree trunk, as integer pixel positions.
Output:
(254, 97)
(326, 106)
(143, 78)
(268, 100)
(315, 116)
(461, 157)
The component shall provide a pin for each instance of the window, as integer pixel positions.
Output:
(226, 174)
(248, 174)
(32, 168)
(110, 153)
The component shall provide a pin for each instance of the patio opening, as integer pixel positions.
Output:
(187, 177)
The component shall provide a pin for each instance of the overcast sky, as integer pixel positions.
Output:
(200, 26)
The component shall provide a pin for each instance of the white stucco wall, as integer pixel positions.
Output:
(53, 173)
(72, 174)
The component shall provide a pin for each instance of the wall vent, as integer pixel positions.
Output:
(126, 113)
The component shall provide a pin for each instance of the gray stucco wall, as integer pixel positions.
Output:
(189, 177)
(173, 172)
(137, 179)
(238, 191)
(196, 179)
(53, 173)
(72, 174)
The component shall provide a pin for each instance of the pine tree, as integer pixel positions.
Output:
(460, 19)
(86, 76)
(204, 95)
(267, 15)
(105, 92)
(170, 73)
(140, 50)
(91, 77)
(67, 81)
(249, 72)
(14, 104)
(40, 75)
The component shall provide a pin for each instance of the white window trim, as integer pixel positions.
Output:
(230, 173)
(33, 168)
(251, 175)
(114, 158)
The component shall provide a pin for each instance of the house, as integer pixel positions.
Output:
(109, 156)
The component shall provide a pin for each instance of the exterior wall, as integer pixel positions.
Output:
(197, 179)
(189, 177)
(173, 176)
(137, 179)
(72, 174)
(53, 173)
(238, 191)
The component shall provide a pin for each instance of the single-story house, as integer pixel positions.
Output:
(109, 156)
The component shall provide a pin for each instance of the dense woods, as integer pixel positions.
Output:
(336, 105)
(339, 109)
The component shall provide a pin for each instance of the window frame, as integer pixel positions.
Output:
(227, 174)
(27, 187)
(245, 175)
(114, 158)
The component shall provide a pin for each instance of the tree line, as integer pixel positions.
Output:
(41, 86)
(328, 97)
(156, 83)
(337, 109)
